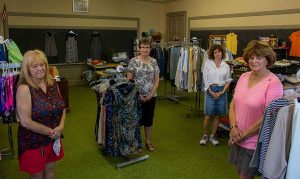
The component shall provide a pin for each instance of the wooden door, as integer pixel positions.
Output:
(176, 25)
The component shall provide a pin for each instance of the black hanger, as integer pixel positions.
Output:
(49, 33)
(95, 34)
(71, 34)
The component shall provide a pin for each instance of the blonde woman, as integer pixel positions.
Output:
(40, 108)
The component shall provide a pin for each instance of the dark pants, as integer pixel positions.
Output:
(148, 112)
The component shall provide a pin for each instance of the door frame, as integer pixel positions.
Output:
(172, 14)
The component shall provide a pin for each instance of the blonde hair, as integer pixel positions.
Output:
(29, 58)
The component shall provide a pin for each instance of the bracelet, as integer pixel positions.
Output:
(233, 126)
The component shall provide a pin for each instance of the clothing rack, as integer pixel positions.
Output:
(173, 96)
(132, 161)
(92, 82)
(9, 151)
(161, 45)
(196, 112)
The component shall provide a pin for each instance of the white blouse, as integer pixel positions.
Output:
(214, 75)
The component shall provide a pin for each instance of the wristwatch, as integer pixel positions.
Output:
(233, 126)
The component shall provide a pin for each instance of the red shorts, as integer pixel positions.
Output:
(33, 160)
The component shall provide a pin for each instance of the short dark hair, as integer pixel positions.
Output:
(144, 41)
(259, 49)
(214, 47)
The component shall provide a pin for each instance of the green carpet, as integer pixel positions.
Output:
(176, 139)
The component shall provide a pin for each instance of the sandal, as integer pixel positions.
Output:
(150, 147)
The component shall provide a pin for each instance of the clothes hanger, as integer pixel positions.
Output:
(49, 32)
(71, 34)
(95, 33)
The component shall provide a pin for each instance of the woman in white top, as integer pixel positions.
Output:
(216, 78)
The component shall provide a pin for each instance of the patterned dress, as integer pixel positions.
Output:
(47, 109)
(123, 113)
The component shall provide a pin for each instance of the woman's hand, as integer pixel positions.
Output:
(56, 132)
(235, 135)
(219, 94)
(214, 95)
(145, 98)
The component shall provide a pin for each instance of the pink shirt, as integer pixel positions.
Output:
(250, 103)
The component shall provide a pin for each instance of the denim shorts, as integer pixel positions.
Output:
(215, 106)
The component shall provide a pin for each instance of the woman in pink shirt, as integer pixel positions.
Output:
(253, 92)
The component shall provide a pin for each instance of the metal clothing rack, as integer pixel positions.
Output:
(185, 43)
(6, 68)
(172, 96)
(132, 161)
(9, 151)
(197, 112)
(128, 161)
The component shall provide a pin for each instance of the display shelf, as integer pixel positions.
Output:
(282, 52)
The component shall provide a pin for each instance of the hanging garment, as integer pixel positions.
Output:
(158, 54)
(9, 101)
(267, 126)
(166, 64)
(191, 69)
(228, 55)
(7, 104)
(3, 56)
(2, 94)
(14, 54)
(295, 44)
(123, 114)
(174, 58)
(277, 155)
(50, 45)
(179, 77)
(71, 50)
(294, 156)
(101, 123)
(231, 43)
(199, 69)
(95, 51)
